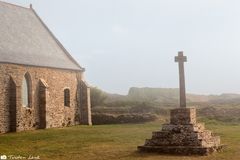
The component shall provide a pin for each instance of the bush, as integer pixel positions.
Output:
(97, 96)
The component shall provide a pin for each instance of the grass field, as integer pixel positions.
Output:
(106, 142)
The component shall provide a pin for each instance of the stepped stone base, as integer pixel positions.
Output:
(182, 136)
(180, 150)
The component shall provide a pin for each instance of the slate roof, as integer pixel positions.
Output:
(25, 39)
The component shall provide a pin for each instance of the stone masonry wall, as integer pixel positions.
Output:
(46, 90)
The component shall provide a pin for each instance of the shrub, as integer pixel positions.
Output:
(97, 96)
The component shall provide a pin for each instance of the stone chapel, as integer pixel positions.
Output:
(41, 85)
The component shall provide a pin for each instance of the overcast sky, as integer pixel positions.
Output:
(125, 43)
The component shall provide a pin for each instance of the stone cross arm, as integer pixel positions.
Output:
(180, 58)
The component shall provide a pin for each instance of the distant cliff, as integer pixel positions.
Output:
(170, 95)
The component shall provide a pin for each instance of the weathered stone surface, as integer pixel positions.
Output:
(182, 116)
(46, 108)
(186, 127)
(183, 136)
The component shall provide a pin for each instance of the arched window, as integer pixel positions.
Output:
(26, 91)
(67, 97)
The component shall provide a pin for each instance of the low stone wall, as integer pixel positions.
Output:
(123, 118)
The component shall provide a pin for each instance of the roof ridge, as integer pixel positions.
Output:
(56, 40)
(15, 5)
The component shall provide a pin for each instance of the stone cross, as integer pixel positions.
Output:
(181, 59)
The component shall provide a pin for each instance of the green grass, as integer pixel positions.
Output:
(106, 142)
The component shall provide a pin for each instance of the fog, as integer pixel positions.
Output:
(125, 43)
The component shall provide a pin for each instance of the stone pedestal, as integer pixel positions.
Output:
(182, 136)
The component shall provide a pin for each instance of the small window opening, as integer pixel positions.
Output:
(67, 97)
